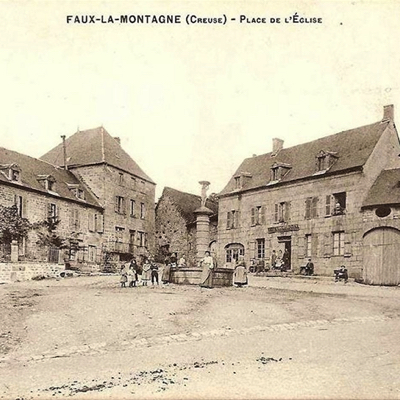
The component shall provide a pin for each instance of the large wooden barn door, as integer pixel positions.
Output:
(381, 257)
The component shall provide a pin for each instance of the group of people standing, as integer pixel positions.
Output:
(133, 274)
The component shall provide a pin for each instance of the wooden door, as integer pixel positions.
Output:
(381, 257)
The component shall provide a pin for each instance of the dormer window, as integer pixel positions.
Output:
(241, 180)
(76, 190)
(11, 171)
(48, 182)
(325, 160)
(279, 170)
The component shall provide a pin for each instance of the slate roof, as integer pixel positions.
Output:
(353, 148)
(385, 190)
(187, 203)
(94, 146)
(31, 168)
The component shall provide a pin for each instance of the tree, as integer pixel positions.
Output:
(12, 225)
(47, 237)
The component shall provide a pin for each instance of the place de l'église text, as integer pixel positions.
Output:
(189, 19)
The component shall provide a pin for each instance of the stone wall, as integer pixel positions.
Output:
(171, 230)
(11, 272)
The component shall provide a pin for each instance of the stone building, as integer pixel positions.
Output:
(43, 192)
(176, 223)
(312, 200)
(124, 191)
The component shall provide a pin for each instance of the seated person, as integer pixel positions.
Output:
(341, 273)
(308, 268)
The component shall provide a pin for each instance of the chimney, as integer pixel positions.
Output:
(388, 113)
(64, 152)
(277, 145)
(118, 140)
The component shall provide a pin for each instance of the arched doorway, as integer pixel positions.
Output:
(381, 256)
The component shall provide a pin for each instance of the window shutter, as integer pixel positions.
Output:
(301, 249)
(287, 211)
(262, 210)
(347, 244)
(72, 219)
(328, 245)
(314, 212)
(276, 213)
(229, 220)
(145, 239)
(314, 244)
(100, 223)
(308, 207)
(237, 219)
(328, 205)
(91, 221)
(78, 222)
(253, 216)
(24, 205)
(116, 204)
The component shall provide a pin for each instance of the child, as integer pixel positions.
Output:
(124, 277)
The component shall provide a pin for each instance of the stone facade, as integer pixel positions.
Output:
(318, 216)
(36, 207)
(128, 203)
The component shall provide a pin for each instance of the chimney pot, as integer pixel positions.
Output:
(388, 113)
(277, 145)
(118, 140)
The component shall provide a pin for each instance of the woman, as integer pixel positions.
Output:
(207, 264)
(146, 272)
(166, 273)
(240, 274)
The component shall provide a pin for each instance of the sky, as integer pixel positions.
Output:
(190, 102)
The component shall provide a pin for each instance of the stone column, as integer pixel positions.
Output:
(202, 231)
(202, 223)
(14, 251)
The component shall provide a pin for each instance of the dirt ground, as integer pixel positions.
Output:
(85, 337)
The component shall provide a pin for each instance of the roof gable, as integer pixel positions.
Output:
(94, 146)
(187, 203)
(34, 170)
(351, 149)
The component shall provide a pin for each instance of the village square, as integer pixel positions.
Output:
(282, 285)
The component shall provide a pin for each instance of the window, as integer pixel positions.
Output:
(119, 234)
(74, 220)
(282, 212)
(132, 208)
(311, 207)
(92, 253)
(52, 213)
(121, 179)
(308, 246)
(119, 205)
(232, 220)
(279, 170)
(335, 204)
(19, 202)
(260, 248)
(233, 251)
(338, 243)
(237, 182)
(142, 239)
(14, 175)
(47, 182)
(325, 160)
(258, 215)
(142, 210)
